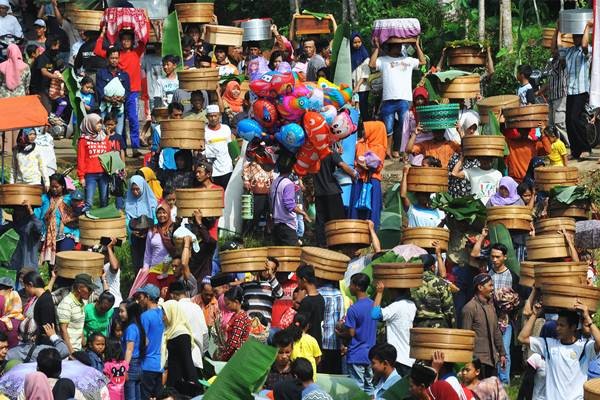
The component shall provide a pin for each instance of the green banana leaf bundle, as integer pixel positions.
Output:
(468, 208)
(568, 194)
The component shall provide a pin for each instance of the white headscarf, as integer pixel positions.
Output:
(5, 3)
(469, 118)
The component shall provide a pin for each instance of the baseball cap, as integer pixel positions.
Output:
(7, 282)
(86, 280)
(150, 290)
(77, 195)
(40, 22)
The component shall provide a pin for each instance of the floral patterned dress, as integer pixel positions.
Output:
(20, 90)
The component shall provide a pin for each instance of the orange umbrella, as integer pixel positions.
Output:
(22, 112)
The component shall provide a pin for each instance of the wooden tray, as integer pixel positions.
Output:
(182, 133)
(462, 87)
(323, 258)
(198, 79)
(554, 225)
(195, 13)
(546, 247)
(427, 179)
(512, 217)
(347, 231)
(14, 194)
(495, 104)
(72, 263)
(468, 56)
(244, 260)
(208, 201)
(92, 230)
(223, 35)
(564, 296)
(288, 257)
(548, 177)
(483, 146)
(423, 237)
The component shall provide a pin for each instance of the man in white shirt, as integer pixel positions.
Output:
(195, 317)
(217, 137)
(396, 71)
(9, 25)
(568, 356)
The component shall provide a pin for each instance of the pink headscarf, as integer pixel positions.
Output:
(511, 185)
(13, 67)
(37, 387)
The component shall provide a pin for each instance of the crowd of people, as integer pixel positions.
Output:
(156, 335)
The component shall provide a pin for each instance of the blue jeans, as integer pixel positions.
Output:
(133, 389)
(504, 374)
(132, 117)
(389, 109)
(92, 181)
(363, 376)
(120, 202)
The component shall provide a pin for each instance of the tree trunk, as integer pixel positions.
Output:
(537, 13)
(506, 25)
(353, 11)
(481, 20)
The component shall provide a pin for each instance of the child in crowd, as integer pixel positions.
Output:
(305, 346)
(421, 214)
(558, 154)
(484, 179)
(117, 180)
(115, 370)
(86, 93)
(287, 318)
(32, 51)
(189, 55)
(198, 110)
(169, 197)
(281, 369)
(167, 84)
(96, 344)
(525, 92)
(116, 329)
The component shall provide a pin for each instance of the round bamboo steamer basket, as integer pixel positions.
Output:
(565, 38)
(565, 295)
(528, 273)
(512, 217)
(347, 231)
(87, 20)
(578, 210)
(328, 275)
(14, 194)
(495, 104)
(546, 247)
(288, 257)
(427, 179)
(91, 230)
(195, 13)
(548, 177)
(244, 260)
(72, 263)
(574, 273)
(468, 56)
(208, 201)
(423, 237)
(324, 260)
(462, 87)
(483, 146)
(223, 35)
(457, 344)
(591, 389)
(399, 275)
(182, 133)
(554, 225)
(69, 8)
(198, 79)
(525, 116)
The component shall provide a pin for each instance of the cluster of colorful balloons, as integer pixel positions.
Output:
(304, 117)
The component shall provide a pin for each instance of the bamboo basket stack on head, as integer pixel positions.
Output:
(347, 232)
(329, 265)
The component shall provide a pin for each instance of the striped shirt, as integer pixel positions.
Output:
(578, 69)
(501, 279)
(334, 311)
(70, 311)
(260, 295)
(557, 79)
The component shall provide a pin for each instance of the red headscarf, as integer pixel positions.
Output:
(235, 103)
(13, 67)
(419, 91)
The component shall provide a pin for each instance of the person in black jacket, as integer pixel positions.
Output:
(86, 62)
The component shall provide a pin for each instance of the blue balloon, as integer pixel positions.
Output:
(291, 136)
(249, 129)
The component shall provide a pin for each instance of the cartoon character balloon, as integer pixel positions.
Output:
(249, 129)
(282, 84)
(262, 86)
(291, 136)
(266, 113)
(329, 112)
(343, 125)
(307, 160)
(318, 132)
(291, 108)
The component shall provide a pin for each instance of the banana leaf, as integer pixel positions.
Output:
(171, 43)
(74, 101)
(8, 244)
(568, 194)
(466, 208)
(399, 390)
(497, 233)
(494, 129)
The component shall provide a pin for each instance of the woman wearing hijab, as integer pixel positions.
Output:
(140, 208)
(28, 164)
(15, 74)
(370, 155)
(411, 121)
(150, 177)
(359, 55)
(177, 347)
(93, 142)
(506, 195)
(231, 100)
(37, 387)
(60, 224)
(460, 187)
